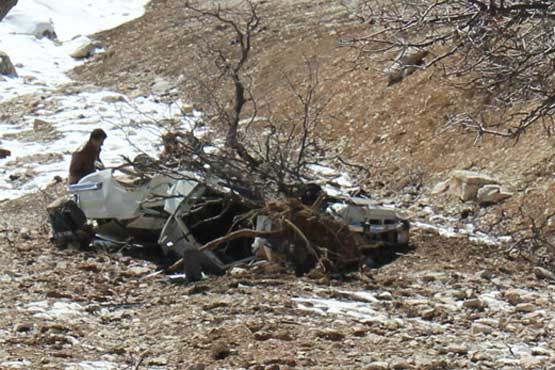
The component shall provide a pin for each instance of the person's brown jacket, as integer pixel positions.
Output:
(83, 162)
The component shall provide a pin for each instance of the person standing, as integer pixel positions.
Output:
(86, 160)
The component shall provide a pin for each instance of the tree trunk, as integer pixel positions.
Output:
(5, 7)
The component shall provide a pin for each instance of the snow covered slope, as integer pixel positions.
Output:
(41, 64)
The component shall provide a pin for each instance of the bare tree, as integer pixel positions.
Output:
(503, 49)
(5, 7)
(244, 27)
(262, 155)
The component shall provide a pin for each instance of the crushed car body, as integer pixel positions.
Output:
(180, 215)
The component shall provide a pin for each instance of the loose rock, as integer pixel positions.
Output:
(6, 66)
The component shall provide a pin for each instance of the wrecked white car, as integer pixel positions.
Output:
(179, 216)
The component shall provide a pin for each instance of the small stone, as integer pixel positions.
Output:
(6, 66)
(360, 331)
(330, 334)
(262, 336)
(41, 125)
(542, 273)
(138, 271)
(480, 356)
(85, 49)
(114, 99)
(378, 365)
(23, 327)
(4, 153)
(400, 364)
(219, 351)
(187, 109)
(429, 314)
(473, 303)
(525, 307)
(513, 297)
(197, 367)
(486, 274)
(385, 296)
(283, 335)
(237, 271)
(458, 349)
(25, 233)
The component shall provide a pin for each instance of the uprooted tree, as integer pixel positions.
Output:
(504, 49)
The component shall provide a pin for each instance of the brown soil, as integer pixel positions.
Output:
(251, 318)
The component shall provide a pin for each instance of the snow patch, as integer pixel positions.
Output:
(24, 364)
(94, 365)
(131, 126)
(56, 311)
(360, 311)
(42, 64)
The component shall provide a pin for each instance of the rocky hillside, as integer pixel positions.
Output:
(445, 303)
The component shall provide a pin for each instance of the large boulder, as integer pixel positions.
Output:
(84, 47)
(473, 186)
(6, 66)
(467, 183)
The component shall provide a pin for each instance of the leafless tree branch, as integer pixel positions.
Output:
(504, 49)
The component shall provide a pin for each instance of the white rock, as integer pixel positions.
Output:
(186, 109)
(161, 86)
(525, 307)
(406, 63)
(465, 184)
(385, 296)
(441, 187)
(459, 349)
(84, 47)
(491, 194)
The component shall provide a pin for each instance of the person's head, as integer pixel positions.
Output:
(98, 136)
